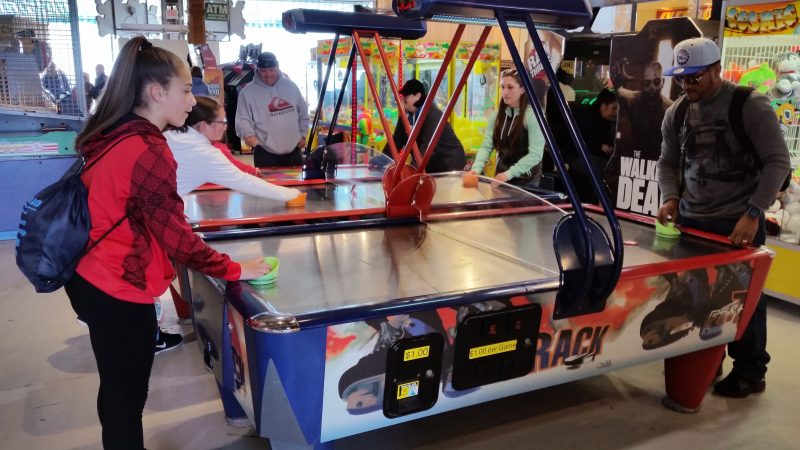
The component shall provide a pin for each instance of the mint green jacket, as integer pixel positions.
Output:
(535, 144)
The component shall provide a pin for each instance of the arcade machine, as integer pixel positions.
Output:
(586, 59)
(765, 54)
(236, 75)
(41, 108)
(372, 323)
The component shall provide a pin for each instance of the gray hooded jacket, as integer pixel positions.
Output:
(277, 115)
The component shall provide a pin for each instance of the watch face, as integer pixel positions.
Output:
(753, 212)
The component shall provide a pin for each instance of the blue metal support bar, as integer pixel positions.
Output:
(587, 249)
(340, 98)
(322, 89)
(569, 119)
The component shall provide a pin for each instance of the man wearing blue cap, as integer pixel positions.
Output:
(272, 116)
(712, 180)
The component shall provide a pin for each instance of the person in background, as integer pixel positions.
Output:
(272, 116)
(198, 86)
(132, 196)
(99, 81)
(597, 124)
(449, 153)
(200, 162)
(56, 82)
(88, 87)
(714, 183)
(515, 135)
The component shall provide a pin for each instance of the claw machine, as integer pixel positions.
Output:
(358, 115)
(761, 48)
(481, 95)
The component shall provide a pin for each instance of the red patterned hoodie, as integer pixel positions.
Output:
(137, 177)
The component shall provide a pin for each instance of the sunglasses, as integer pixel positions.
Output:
(509, 73)
(224, 122)
(683, 80)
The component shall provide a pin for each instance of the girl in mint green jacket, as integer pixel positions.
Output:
(515, 135)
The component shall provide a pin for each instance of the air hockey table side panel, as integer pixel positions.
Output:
(647, 318)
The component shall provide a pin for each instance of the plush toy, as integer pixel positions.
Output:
(761, 77)
(788, 81)
(788, 66)
(364, 127)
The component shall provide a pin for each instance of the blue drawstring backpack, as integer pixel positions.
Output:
(54, 230)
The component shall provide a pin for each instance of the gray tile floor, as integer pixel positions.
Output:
(48, 384)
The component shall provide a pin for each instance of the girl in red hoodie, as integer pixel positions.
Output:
(133, 184)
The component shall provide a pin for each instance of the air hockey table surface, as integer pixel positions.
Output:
(370, 326)
(335, 198)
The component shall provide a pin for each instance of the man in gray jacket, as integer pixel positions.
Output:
(272, 116)
(712, 181)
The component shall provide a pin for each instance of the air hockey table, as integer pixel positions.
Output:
(369, 325)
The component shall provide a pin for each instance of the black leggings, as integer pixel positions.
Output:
(123, 336)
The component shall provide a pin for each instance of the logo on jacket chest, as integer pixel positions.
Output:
(279, 105)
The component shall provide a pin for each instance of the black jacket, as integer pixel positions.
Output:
(448, 154)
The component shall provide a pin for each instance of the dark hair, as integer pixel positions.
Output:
(412, 87)
(138, 64)
(605, 97)
(517, 126)
(205, 110)
(196, 72)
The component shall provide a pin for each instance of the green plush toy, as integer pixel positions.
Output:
(761, 77)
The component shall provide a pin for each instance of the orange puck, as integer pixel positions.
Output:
(300, 200)
(470, 180)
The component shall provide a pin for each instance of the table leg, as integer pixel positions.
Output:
(687, 378)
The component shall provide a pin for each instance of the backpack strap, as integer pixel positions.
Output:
(680, 114)
(736, 119)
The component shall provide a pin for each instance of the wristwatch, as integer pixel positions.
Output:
(753, 212)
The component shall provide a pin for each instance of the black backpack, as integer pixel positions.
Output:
(54, 230)
(735, 119)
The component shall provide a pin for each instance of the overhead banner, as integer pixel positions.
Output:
(637, 64)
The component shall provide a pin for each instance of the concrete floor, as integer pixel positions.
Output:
(48, 385)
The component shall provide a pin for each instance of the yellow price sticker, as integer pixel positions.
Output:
(416, 353)
(407, 390)
(492, 349)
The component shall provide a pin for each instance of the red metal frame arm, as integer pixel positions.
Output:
(401, 113)
(354, 101)
(429, 100)
(452, 103)
(374, 90)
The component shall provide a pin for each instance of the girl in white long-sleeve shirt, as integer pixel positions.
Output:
(199, 162)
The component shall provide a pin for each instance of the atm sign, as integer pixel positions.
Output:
(493, 349)
(416, 353)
